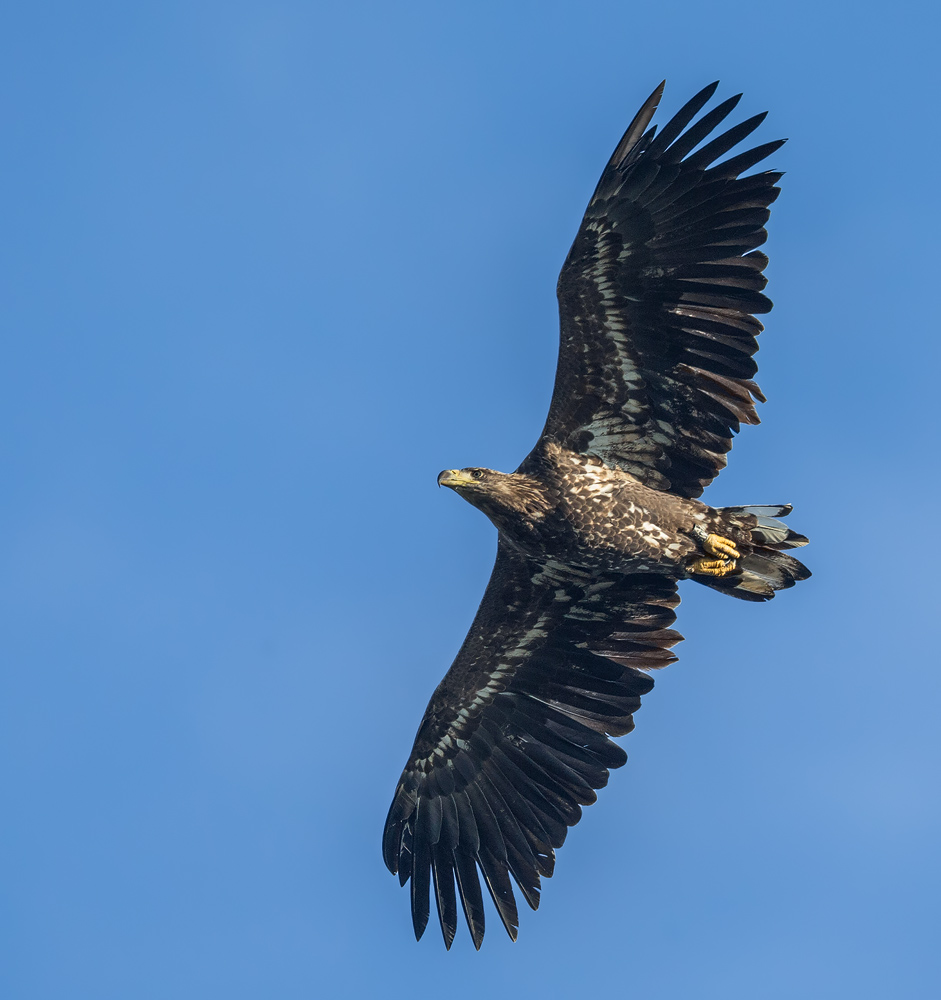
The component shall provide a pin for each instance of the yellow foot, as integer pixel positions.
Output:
(713, 567)
(716, 545)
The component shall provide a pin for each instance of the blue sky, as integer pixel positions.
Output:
(268, 268)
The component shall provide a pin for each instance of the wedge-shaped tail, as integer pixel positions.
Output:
(766, 568)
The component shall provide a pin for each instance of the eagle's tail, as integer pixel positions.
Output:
(764, 569)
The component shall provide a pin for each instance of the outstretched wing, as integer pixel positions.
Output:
(657, 300)
(515, 738)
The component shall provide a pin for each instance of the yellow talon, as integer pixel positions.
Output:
(713, 567)
(716, 545)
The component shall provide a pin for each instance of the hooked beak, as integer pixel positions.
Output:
(453, 478)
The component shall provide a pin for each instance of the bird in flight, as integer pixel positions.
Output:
(657, 304)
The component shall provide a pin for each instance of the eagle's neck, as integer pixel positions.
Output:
(516, 503)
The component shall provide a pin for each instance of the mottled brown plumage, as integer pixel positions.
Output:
(657, 300)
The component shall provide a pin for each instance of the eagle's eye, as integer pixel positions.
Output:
(477, 473)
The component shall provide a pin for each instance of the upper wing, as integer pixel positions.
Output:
(656, 300)
(515, 738)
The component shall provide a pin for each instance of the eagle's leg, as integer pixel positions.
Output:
(716, 545)
(712, 567)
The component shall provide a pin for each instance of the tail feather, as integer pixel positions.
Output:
(768, 530)
(765, 569)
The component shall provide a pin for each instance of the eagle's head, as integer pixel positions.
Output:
(505, 497)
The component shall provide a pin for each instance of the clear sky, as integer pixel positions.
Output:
(268, 267)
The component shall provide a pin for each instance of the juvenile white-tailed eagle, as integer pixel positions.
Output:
(657, 299)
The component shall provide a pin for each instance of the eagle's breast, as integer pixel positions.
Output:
(606, 518)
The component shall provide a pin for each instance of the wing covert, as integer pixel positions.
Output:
(658, 297)
(515, 739)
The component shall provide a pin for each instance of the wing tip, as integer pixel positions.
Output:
(706, 93)
(638, 126)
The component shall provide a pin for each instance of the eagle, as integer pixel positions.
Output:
(657, 301)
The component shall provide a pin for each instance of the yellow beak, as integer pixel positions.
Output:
(454, 478)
